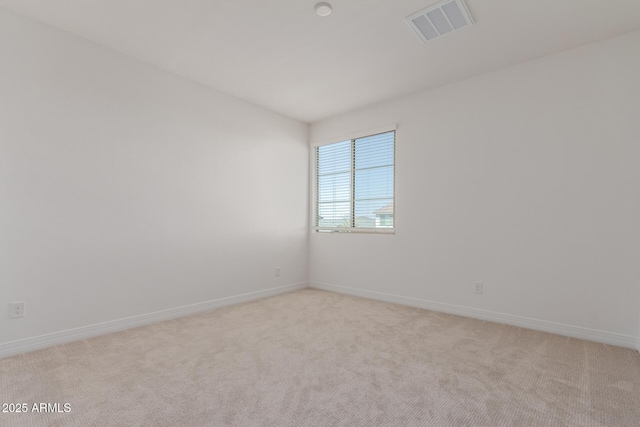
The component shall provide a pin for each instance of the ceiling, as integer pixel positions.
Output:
(280, 55)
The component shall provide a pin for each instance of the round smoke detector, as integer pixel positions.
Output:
(323, 9)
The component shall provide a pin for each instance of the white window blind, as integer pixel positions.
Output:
(355, 182)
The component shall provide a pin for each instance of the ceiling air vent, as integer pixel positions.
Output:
(440, 19)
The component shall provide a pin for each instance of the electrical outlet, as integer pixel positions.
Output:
(17, 310)
(477, 288)
(277, 271)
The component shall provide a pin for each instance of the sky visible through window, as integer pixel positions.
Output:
(364, 183)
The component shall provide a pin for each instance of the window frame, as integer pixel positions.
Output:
(314, 184)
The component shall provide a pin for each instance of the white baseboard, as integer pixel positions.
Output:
(84, 332)
(619, 340)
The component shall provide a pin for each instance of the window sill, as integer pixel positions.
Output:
(355, 230)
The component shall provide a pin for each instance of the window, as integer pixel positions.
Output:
(355, 182)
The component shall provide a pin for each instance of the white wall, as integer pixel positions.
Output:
(526, 179)
(126, 190)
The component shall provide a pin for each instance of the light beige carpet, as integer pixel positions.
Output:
(315, 358)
